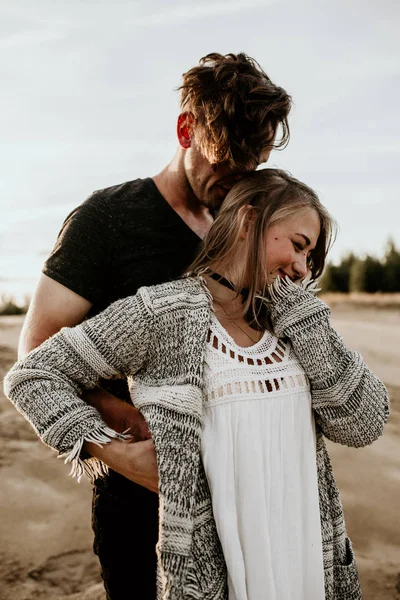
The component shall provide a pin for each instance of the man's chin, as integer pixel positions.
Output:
(214, 201)
(212, 204)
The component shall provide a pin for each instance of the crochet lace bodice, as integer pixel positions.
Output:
(233, 372)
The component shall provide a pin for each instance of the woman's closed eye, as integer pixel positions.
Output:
(299, 247)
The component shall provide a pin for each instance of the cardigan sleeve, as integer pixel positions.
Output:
(46, 386)
(351, 404)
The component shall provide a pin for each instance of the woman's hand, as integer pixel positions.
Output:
(136, 462)
(306, 278)
(294, 305)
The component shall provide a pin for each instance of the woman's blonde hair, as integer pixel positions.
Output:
(273, 195)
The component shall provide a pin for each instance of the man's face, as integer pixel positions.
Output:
(206, 183)
(211, 183)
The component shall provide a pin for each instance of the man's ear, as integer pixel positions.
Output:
(184, 129)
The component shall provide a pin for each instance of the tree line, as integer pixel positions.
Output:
(368, 274)
(352, 274)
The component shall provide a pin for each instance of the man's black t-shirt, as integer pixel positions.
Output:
(119, 239)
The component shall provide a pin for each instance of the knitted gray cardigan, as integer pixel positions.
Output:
(159, 336)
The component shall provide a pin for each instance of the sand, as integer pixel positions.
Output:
(45, 534)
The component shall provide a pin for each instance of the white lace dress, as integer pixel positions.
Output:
(258, 449)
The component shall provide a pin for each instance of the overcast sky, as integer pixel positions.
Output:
(88, 100)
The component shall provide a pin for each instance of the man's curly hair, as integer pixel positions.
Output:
(237, 109)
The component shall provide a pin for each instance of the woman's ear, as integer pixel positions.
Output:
(184, 129)
(246, 218)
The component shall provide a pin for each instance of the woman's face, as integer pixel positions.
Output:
(289, 243)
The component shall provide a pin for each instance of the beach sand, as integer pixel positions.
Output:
(45, 533)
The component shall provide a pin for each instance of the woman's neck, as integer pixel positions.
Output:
(228, 308)
(229, 299)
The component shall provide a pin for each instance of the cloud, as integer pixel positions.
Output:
(12, 220)
(27, 38)
(183, 13)
(80, 16)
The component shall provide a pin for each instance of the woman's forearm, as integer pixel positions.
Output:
(351, 403)
(48, 384)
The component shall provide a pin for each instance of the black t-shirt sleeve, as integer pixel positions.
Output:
(80, 257)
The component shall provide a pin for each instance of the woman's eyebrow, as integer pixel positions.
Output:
(305, 238)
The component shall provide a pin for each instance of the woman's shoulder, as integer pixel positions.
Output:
(186, 290)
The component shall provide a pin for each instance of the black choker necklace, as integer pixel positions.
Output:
(243, 292)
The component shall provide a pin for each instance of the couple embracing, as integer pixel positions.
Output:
(198, 394)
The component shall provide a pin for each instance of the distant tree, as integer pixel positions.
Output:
(369, 274)
(357, 278)
(329, 279)
(8, 306)
(391, 264)
(375, 275)
(336, 277)
(366, 275)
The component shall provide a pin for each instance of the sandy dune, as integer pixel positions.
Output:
(45, 535)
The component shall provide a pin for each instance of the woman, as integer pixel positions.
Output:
(239, 376)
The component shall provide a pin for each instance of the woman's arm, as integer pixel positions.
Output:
(46, 386)
(350, 402)
(52, 307)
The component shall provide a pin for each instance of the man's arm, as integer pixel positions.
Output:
(54, 306)
(136, 462)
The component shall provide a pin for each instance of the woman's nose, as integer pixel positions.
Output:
(300, 266)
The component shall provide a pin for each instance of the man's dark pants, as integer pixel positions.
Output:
(125, 525)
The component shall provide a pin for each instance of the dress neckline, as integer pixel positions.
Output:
(229, 338)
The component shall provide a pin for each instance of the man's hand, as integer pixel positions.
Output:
(136, 462)
(142, 465)
(119, 415)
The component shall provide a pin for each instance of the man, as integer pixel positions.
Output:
(145, 232)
